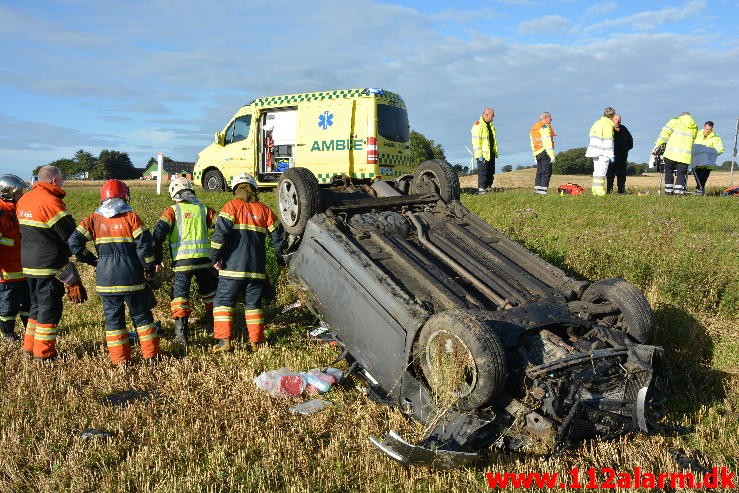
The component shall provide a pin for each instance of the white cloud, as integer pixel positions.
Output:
(548, 24)
(599, 9)
(650, 20)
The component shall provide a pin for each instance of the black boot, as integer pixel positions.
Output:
(181, 330)
(7, 329)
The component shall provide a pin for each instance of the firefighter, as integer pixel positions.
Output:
(238, 252)
(185, 225)
(706, 148)
(542, 145)
(125, 260)
(14, 296)
(678, 135)
(600, 148)
(45, 227)
(485, 150)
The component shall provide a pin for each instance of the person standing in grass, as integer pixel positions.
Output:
(14, 296)
(600, 148)
(542, 145)
(238, 252)
(125, 260)
(485, 150)
(185, 225)
(678, 135)
(622, 143)
(45, 227)
(706, 149)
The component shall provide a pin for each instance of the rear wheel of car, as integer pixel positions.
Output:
(298, 199)
(634, 316)
(437, 176)
(213, 181)
(462, 359)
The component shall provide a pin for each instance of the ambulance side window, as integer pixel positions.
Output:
(238, 130)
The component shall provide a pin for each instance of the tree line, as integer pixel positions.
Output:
(108, 164)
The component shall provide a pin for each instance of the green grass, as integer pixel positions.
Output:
(208, 428)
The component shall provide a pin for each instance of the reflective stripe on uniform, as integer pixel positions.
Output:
(241, 275)
(119, 289)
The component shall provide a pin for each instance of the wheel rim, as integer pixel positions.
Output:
(289, 206)
(213, 183)
(428, 183)
(452, 367)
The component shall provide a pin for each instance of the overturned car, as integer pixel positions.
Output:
(462, 328)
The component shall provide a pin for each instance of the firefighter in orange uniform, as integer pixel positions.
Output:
(14, 297)
(238, 252)
(125, 259)
(45, 227)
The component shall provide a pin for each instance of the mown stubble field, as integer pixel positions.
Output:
(202, 425)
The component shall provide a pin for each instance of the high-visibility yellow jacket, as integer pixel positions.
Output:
(601, 139)
(481, 141)
(679, 134)
(542, 138)
(706, 149)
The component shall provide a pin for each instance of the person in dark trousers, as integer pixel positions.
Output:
(185, 225)
(706, 149)
(14, 296)
(622, 143)
(45, 227)
(484, 150)
(125, 259)
(542, 136)
(238, 252)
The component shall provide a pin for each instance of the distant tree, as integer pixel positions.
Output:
(507, 168)
(461, 170)
(153, 160)
(66, 166)
(115, 164)
(572, 162)
(86, 162)
(726, 165)
(521, 166)
(636, 169)
(423, 149)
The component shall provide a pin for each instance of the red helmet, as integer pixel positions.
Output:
(114, 189)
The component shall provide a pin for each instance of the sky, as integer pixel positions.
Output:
(164, 75)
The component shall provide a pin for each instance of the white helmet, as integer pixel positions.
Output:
(243, 178)
(9, 185)
(177, 185)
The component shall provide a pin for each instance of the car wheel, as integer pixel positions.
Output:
(437, 176)
(462, 359)
(213, 181)
(635, 316)
(298, 199)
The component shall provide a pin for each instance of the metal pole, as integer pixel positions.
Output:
(733, 157)
(160, 165)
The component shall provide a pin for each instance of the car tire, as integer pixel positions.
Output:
(437, 176)
(475, 350)
(213, 181)
(298, 199)
(635, 316)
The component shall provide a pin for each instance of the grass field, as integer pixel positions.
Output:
(202, 425)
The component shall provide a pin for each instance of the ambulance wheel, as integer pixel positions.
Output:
(461, 358)
(634, 315)
(437, 176)
(213, 181)
(298, 199)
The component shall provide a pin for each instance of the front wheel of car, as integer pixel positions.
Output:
(462, 359)
(633, 316)
(298, 199)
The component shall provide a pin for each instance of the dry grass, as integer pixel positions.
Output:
(206, 427)
(524, 178)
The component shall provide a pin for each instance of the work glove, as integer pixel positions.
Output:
(553, 159)
(76, 293)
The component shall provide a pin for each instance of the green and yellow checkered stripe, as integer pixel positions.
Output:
(394, 159)
(327, 177)
(387, 97)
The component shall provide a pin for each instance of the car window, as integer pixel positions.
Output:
(238, 130)
(392, 123)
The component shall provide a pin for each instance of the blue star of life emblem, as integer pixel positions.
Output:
(325, 120)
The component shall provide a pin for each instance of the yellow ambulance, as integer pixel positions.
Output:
(359, 133)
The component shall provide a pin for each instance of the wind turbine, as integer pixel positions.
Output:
(472, 160)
